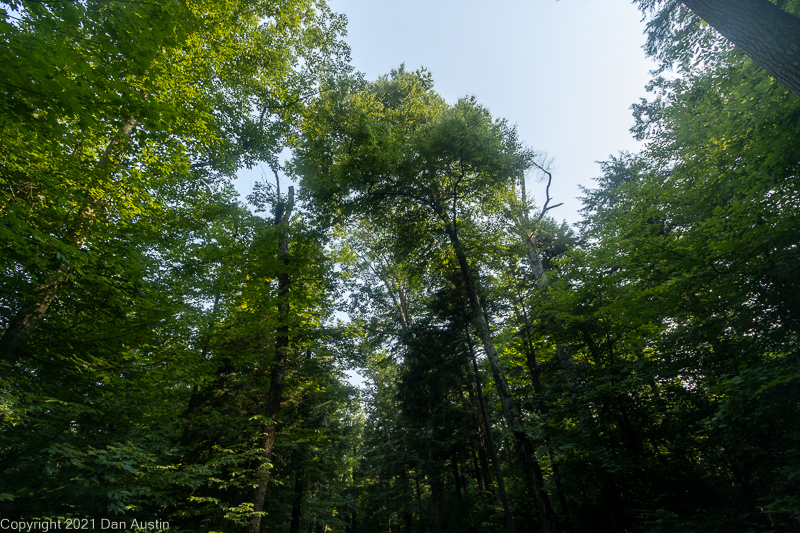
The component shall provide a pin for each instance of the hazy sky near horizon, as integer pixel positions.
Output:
(566, 72)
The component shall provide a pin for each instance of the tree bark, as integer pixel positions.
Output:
(22, 326)
(27, 319)
(278, 372)
(765, 32)
(585, 419)
(456, 478)
(511, 411)
(297, 503)
(533, 369)
(436, 481)
(501, 487)
(605, 483)
(533, 257)
(606, 486)
(408, 515)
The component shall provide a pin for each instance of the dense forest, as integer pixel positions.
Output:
(174, 357)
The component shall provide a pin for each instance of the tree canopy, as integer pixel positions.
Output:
(174, 358)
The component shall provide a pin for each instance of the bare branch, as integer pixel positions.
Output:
(545, 207)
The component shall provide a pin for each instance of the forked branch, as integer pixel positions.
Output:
(546, 207)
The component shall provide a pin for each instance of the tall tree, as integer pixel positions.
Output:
(109, 108)
(766, 32)
(688, 274)
(396, 153)
(128, 269)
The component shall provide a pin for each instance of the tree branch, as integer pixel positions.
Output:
(545, 207)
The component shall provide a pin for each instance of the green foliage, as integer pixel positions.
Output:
(139, 391)
(683, 304)
(655, 364)
(678, 37)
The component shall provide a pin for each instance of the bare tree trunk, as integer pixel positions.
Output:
(765, 32)
(533, 257)
(276, 382)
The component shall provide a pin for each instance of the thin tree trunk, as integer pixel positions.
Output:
(484, 463)
(407, 515)
(585, 419)
(297, 502)
(607, 487)
(21, 327)
(501, 487)
(463, 477)
(476, 467)
(533, 369)
(765, 32)
(276, 382)
(510, 409)
(456, 478)
(437, 485)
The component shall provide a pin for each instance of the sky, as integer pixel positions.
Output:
(565, 72)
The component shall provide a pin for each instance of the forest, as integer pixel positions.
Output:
(175, 357)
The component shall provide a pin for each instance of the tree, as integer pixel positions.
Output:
(110, 109)
(766, 32)
(128, 268)
(396, 153)
(686, 273)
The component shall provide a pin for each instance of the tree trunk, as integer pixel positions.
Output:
(276, 382)
(533, 369)
(27, 319)
(765, 32)
(481, 466)
(585, 419)
(456, 478)
(511, 411)
(297, 503)
(501, 487)
(22, 326)
(476, 468)
(606, 485)
(533, 257)
(408, 515)
(436, 482)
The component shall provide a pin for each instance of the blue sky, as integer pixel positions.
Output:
(565, 72)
